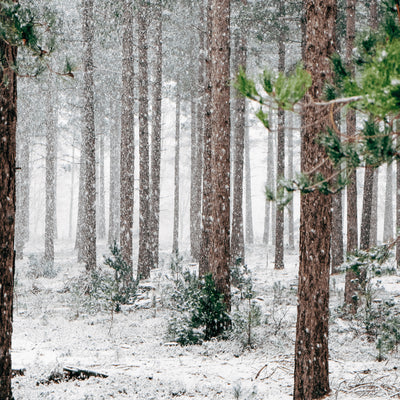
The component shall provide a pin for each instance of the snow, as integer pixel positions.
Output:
(52, 331)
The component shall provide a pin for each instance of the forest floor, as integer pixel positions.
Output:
(54, 328)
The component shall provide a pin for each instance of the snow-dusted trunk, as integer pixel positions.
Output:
(220, 145)
(23, 192)
(144, 262)
(237, 236)
(204, 265)
(175, 236)
(247, 170)
(8, 123)
(311, 375)
(72, 190)
(114, 195)
(127, 152)
(398, 212)
(101, 205)
(290, 175)
(193, 163)
(280, 157)
(81, 204)
(270, 184)
(51, 176)
(350, 295)
(156, 135)
(373, 234)
(366, 210)
(388, 216)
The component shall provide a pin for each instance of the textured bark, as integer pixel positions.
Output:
(72, 191)
(193, 188)
(8, 122)
(127, 155)
(280, 162)
(388, 227)
(220, 147)
(144, 262)
(270, 182)
(88, 141)
(367, 206)
(373, 236)
(81, 205)
(351, 283)
(249, 237)
(22, 194)
(204, 265)
(175, 236)
(156, 135)
(101, 200)
(51, 176)
(311, 375)
(290, 175)
(237, 235)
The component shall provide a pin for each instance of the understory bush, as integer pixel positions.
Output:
(41, 268)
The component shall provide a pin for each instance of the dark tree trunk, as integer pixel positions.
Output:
(237, 236)
(51, 176)
(8, 123)
(388, 216)
(175, 237)
(144, 262)
(127, 155)
(220, 145)
(351, 284)
(311, 375)
(280, 156)
(204, 265)
(89, 141)
(367, 206)
(373, 237)
(156, 136)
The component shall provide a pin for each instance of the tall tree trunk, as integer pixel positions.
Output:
(144, 262)
(127, 152)
(311, 374)
(101, 209)
(398, 212)
(72, 191)
(89, 140)
(204, 265)
(280, 156)
(22, 196)
(247, 170)
(290, 176)
(156, 136)
(237, 236)
(373, 235)
(175, 237)
(351, 283)
(270, 183)
(81, 204)
(367, 206)
(51, 177)
(388, 216)
(220, 145)
(193, 188)
(8, 123)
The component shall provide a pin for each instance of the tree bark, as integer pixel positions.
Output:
(373, 236)
(290, 176)
(220, 147)
(351, 283)
(88, 140)
(311, 375)
(175, 237)
(366, 210)
(156, 135)
(51, 177)
(388, 216)
(247, 168)
(144, 261)
(193, 188)
(101, 209)
(127, 153)
(8, 124)
(237, 236)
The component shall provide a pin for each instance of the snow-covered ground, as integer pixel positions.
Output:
(52, 331)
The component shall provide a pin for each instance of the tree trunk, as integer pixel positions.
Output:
(89, 140)
(237, 236)
(81, 204)
(280, 157)
(311, 375)
(175, 238)
(144, 262)
(51, 177)
(156, 136)
(398, 212)
(8, 123)
(72, 191)
(204, 265)
(367, 206)
(351, 284)
(290, 176)
(373, 236)
(193, 188)
(247, 170)
(388, 217)
(101, 212)
(127, 153)
(220, 145)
